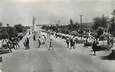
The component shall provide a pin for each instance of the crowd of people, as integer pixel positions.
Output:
(96, 47)
(41, 40)
(94, 42)
(70, 42)
(12, 43)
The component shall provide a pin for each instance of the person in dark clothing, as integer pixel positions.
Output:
(94, 47)
(9, 43)
(34, 37)
(50, 45)
(111, 41)
(29, 33)
(56, 35)
(39, 42)
(13, 43)
(86, 42)
(45, 37)
(27, 43)
(67, 42)
(71, 43)
(108, 41)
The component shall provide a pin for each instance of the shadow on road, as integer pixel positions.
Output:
(111, 56)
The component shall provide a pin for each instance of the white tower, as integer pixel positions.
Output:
(33, 22)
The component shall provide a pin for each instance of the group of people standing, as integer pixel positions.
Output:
(41, 40)
(12, 43)
(95, 46)
(70, 43)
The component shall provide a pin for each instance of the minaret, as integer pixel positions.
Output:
(33, 22)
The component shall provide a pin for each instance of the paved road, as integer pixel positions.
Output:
(60, 59)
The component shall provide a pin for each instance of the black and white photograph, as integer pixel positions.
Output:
(57, 35)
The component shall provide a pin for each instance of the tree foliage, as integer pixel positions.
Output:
(63, 28)
(19, 28)
(100, 22)
(112, 23)
(100, 31)
(9, 31)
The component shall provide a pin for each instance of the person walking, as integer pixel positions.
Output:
(13, 42)
(86, 43)
(94, 47)
(111, 41)
(17, 44)
(27, 43)
(45, 37)
(9, 44)
(50, 45)
(67, 42)
(71, 43)
(29, 33)
(39, 42)
(34, 37)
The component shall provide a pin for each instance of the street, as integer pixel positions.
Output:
(61, 59)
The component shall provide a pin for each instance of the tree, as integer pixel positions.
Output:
(19, 28)
(112, 23)
(4, 33)
(99, 31)
(100, 22)
(11, 32)
(113, 12)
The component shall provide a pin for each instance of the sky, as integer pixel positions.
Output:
(52, 11)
